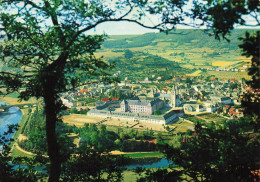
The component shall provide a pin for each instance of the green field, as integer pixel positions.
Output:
(229, 75)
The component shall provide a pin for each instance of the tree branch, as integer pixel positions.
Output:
(55, 21)
(130, 10)
(25, 1)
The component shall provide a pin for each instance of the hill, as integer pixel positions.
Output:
(193, 49)
(186, 37)
(139, 65)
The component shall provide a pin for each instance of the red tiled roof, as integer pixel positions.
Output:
(105, 99)
(83, 90)
(115, 98)
(232, 109)
(154, 142)
(227, 106)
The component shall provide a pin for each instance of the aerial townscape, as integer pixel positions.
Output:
(161, 104)
(129, 91)
(147, 103)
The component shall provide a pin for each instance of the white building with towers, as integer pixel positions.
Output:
(171, 98)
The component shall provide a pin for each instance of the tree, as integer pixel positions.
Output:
(47, 50)
(90, 165)
(223, 152)
(251, 99)
(157, 175)
(128, 54)
(157, 112)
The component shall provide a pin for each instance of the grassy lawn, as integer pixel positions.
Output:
(182, 126)
(211, 117)
(129, 176)
(23, 121)
(144, 154)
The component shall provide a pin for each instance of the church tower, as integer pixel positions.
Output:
(123, 106)
(175, 99)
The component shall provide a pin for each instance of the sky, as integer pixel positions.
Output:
(121, 28)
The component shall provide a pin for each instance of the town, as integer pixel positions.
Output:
(147, 101)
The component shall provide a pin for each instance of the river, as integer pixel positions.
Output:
(149, 163)
(12, 116)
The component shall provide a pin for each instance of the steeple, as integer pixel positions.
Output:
(175, 97)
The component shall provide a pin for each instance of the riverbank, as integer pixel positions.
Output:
(16, 150)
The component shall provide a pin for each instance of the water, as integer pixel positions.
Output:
(11, 117)
(150, 163)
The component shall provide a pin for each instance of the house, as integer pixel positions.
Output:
(68, 102)
(220, 99)
(193, 107)
(105, 99)
(168, 81)
(83, 91)
(159, 77)
(210, 107)
(236, 112)
(226, 108)
(114, 98)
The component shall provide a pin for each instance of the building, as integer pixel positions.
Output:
(220, 99)
(141, 106)
(193, 108)
(68, 102)
(171, 99)
(167, 118)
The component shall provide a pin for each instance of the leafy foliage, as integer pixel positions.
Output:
(90, 165)
(158, 175)
(10, 170)
(100, 139)
(251, 99)
(219, 152)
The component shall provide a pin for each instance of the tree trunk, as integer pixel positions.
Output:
(50, 79)
(53, 146)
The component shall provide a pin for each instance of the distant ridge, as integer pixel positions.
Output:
(195, 36)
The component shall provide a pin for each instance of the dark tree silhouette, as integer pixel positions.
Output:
(46, 49)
